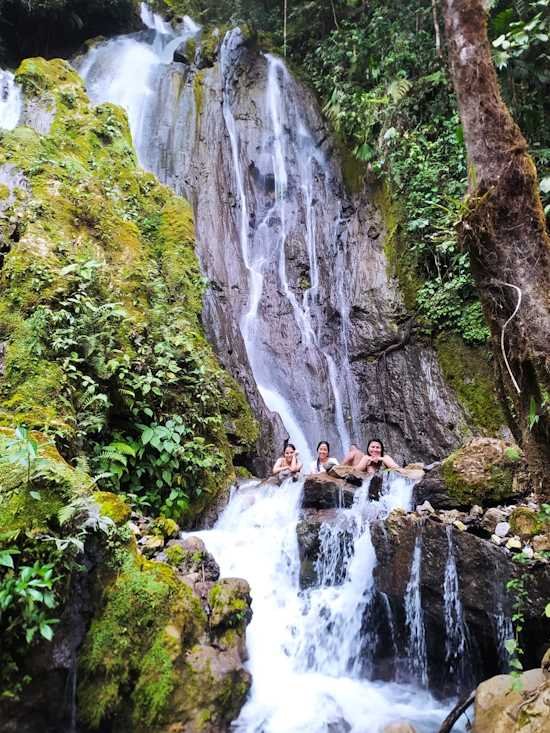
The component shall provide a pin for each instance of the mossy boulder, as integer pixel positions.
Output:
(112, 506)
(165, 527)
(525, 522)
(229, 601)
(485, 471)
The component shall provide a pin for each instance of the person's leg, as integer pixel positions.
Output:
(352, 457)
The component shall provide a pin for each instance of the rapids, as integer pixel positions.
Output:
(305, 647)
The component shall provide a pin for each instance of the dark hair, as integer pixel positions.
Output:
(375, 440)
(288, 445)
(323, 442)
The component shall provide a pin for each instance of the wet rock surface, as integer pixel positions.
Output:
(483, 568)
(355, 309)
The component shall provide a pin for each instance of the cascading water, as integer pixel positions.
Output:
(10, 101)
(304, 646)
(163, 112)
(417, 656)
(455, 642)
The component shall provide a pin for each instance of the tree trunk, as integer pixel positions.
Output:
(504, 231)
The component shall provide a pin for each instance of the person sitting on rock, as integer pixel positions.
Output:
(324, 463)
(375, 459)
(287, 465)
(353, 457)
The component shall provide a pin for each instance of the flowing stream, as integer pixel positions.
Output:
(305, 646)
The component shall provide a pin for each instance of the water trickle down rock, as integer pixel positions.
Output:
(417, 656)
(456, 657)
(299, 301)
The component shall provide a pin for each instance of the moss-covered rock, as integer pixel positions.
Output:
(525, 522)
(101, 298)
(484, 472)
(165, 527)
(112, 506)
(127, 666)
(466, 369)
(229, 601)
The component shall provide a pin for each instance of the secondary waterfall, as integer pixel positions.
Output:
(10, 101)
(283, 200)
(304, 646)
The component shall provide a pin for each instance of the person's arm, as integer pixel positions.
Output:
(389, 462)
(277, 468)
(294, 463)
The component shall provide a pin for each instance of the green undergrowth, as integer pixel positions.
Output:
(101, 296)
(47, 516)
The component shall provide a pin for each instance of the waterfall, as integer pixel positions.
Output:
(10, 101)
(300, 373)
(504, 630)
(304, 645)
(417, 656)
(455, 642)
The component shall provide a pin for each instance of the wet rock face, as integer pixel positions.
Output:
(483, 570)
(316, 250)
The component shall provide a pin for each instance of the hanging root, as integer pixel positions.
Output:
(516, 309)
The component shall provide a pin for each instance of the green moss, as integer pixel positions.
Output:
(230, 605)
(525, 522)
(112, 506)
(466, 369)
(198, 93)
(164, 527)
(491, 486)
(400, 262)
(127, 664)
(87, 201)
(175, 555)
(4, 192)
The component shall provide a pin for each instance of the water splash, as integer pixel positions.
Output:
(11, 101)
(417, 655)
(304, 645)
(504, 630)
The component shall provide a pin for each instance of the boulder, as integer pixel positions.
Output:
(524, 521)
(401, 726)
(324, 491)
(502, 708)
(486, 471)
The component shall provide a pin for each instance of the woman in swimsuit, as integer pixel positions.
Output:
(324, 463)
(287, 465)
(375, 459)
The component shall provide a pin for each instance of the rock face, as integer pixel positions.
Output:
(299, 301)
(479, 608)
(499, 708)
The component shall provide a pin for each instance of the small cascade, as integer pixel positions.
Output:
(455, 642)
(417, 655)
(305, 647)
(504, 630)
(11, 101)
(127, 71)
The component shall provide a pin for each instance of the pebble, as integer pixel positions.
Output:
(459, 525)
(502, 529)
(514, 543)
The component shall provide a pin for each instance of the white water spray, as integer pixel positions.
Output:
(304, 646)
(10, 101)
(417, 656)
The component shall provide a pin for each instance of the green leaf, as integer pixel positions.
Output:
(545, 184)
(510, 645)
(46, 631)
(547, 610)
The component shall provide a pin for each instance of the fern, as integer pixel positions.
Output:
(398, 89)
